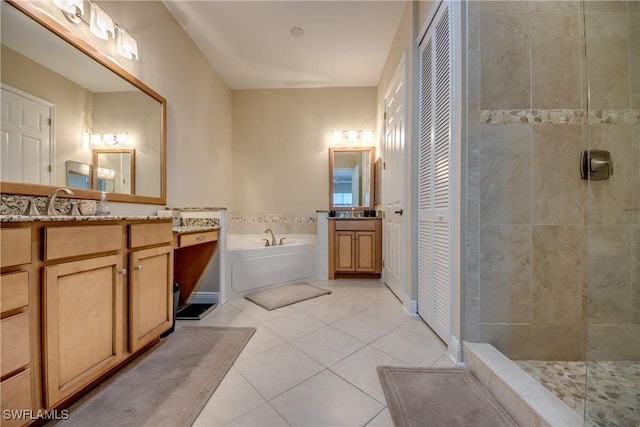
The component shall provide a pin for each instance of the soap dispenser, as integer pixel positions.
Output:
(103, 205)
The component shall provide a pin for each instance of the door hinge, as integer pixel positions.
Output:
(49, 121)
(49, 168)
(384, 165)
(382, 263)
(385, 115)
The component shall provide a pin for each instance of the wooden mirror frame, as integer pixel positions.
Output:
(372, 152)
(27, 189)
(94, 170)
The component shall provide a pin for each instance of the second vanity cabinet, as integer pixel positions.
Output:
(355, 247)
(102, 292)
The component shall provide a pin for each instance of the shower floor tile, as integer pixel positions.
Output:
(612, 392)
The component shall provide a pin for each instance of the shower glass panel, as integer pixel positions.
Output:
(612, 40)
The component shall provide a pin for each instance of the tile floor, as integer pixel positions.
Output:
(314, 363)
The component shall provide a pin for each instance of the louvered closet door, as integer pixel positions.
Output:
(434, 185)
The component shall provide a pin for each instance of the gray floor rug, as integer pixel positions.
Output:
(273, 298)
(446, 397)
(169, 386)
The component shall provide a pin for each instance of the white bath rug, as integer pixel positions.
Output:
(273, 298)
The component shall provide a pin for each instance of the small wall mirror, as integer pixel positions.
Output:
(114, 171)
(351, 178)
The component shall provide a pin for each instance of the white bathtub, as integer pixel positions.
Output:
(250, 266)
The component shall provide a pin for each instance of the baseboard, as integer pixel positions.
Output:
(454, 351)
(413, 307)
(205, 297)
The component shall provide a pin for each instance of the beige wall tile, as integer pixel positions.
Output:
(613, 342)
(556, 60)
(510, 340)
(635, 275)
(473, 116)
(634, 52)
(473, 173)
(505, 273)
(557, 342)
(472, 233)
(472, 289)
(559, 195)
(609, 288)
(505, 68)
(505, 170)
(606, 6)
(607, 41)
(472, 319)
(559, 267)
(504, 6)
(610, 198)
(558, 6)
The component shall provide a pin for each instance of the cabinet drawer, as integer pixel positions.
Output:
(15, 246)
(150, 234)
(14, 291)
(16, 396)
(63, 242)
(15, 343)
(197, 238)
(356, 225)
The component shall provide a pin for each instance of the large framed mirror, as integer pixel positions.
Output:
(71, 91)
(351, 178)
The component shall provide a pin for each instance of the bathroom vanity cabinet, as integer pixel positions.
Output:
(17, 362)
(355, 247)
(81, 298)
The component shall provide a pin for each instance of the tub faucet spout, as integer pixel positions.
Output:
(273, 237)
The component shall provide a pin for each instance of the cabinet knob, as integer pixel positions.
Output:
(122, 271)
(138, 267)
(200, 238)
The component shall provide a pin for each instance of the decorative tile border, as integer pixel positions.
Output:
(200, 222)
(256, 223)
(271, 219)
(16, 204)
(557, 117)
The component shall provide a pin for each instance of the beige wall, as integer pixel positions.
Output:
(281, 140)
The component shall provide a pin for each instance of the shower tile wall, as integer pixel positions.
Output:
(527, 210)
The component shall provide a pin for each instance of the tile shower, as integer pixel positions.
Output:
(553, 261)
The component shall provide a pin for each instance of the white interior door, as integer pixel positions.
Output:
(435, 181)
(26, 135)
(393, 183)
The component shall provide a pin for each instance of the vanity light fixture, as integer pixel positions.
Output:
(72, 7)
(101, 25)
(126, 45)
(108, 139)
(352, 136)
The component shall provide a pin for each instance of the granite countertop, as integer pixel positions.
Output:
(187, 229)
(88, 218)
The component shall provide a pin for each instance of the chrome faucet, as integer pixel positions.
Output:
(273, 237)
(51, 204)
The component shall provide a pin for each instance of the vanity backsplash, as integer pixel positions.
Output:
(16, 204)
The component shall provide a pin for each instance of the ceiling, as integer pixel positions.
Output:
(251, 45)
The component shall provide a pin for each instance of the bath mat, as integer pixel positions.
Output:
(169, 385)
(439, 397)
(273, 298)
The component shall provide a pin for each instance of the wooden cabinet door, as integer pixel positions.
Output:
(150, 295)
(365, 256)
(344, 251)
(82, 328)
